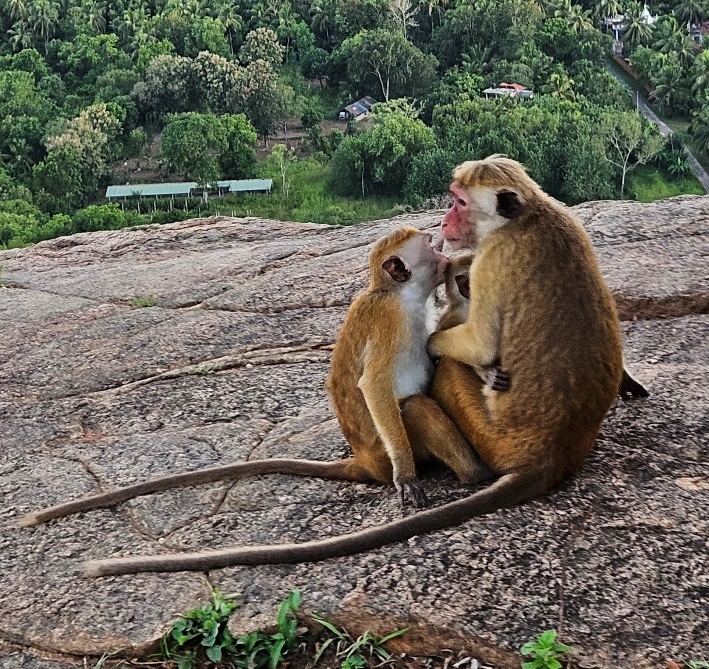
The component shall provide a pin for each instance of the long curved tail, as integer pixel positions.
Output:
(508, 490)
(343, 470)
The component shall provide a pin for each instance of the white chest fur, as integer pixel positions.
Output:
(413, 367)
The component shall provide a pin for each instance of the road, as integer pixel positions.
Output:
(666, 131)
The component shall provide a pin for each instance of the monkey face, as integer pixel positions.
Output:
(418, 262)
(476, 212)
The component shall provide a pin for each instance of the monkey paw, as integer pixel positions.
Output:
(498, 380)
(411, 493)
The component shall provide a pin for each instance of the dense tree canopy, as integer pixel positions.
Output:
(88, 85)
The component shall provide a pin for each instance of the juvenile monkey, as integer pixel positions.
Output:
(379, 360)
(457, 310)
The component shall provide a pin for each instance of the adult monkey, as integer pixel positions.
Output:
(540, 306)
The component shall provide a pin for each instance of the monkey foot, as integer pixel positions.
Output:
(498, 380)
(411, 493)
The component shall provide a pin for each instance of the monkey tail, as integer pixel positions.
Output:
(508, 490)
(343, 470)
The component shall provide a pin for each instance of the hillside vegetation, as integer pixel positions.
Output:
(94, 92)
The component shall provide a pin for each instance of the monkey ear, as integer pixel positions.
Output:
(396, 269)
(509, 204)
(463, 283)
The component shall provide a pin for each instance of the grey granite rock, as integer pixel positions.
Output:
(230, 365)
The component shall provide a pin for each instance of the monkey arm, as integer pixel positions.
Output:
(386, 415)
(473, 343)
(477, 341)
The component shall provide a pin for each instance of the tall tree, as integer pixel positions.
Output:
(699, 129)
(637, 29)
(629, 140)
(403, 13)
(671, 88)
(390, 60)
(17, 9)
(44, 17)
(691, 12)
(701, 75)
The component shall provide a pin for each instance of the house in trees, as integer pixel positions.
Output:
(357, 110)
(505, 90)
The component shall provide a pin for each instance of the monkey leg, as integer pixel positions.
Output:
(349, 469)
(430, 431)
(459, 392)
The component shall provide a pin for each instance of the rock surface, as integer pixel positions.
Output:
(229, 364)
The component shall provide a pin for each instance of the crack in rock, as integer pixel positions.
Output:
(631, 308)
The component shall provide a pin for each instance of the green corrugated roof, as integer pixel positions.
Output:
(184, 188)
(241, 185)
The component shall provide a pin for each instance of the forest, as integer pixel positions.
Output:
(99, 92)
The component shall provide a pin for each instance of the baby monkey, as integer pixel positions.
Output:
(456, 312)
(378, 379)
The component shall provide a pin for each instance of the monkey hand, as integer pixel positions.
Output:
(411, 493)
(498, 380)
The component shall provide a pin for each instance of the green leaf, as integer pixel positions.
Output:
(214, 653)
(393, 635)
(562, 648)
(547, 638)
(322, 649)
(328, 625)
(553, 663)
(276, 653)
(529, 648)
(186, 662)
(529, 665)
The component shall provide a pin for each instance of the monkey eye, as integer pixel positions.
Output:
(461, 202)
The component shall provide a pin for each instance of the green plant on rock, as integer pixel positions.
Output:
(353, 653)
(203, 634)
(142, 301)
(545, 652)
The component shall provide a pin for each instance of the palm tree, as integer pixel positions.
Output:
(132, 20)
(20, 36)
(140, 39)
(701, 75)
(669, 83)
(687, 52)
(17, 9)
(667, 34)
(44, 16)
(232, 20)
(579, 19)
(607, 8)
(323, 12)
(691, 12)
(438, 6)
(637, 30)
(561, 86)
(699, 129)
(95, 13)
